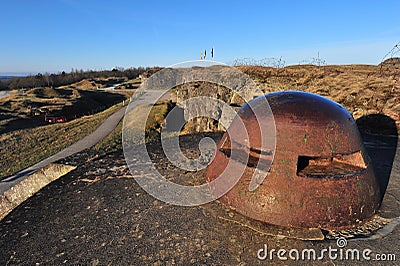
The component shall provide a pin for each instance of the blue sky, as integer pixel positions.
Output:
(57, 35)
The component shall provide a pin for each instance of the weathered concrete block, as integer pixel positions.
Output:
(30, 185)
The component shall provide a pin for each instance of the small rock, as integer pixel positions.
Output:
(94, 262)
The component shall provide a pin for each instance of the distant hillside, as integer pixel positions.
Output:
(63, 78)
(95, 83)
(28, 108)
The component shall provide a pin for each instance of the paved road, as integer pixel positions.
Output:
(100, 133)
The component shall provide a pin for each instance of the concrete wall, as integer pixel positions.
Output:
(30, 185)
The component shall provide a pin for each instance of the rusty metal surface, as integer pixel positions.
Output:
(321, 175)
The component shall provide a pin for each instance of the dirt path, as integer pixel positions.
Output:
(100, 133)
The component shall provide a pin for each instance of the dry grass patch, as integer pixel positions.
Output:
(362, 89)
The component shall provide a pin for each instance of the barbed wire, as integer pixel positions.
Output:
(280, 63)
(313, 61)
(266, 62)
(384, 66)
(392, 52)
(275, 62)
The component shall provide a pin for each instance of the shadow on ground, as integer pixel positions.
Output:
(380, 137)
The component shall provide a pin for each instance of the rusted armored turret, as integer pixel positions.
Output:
(320, 174)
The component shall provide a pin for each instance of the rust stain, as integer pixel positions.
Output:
(320, 174)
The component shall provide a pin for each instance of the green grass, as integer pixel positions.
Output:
(23, 148)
